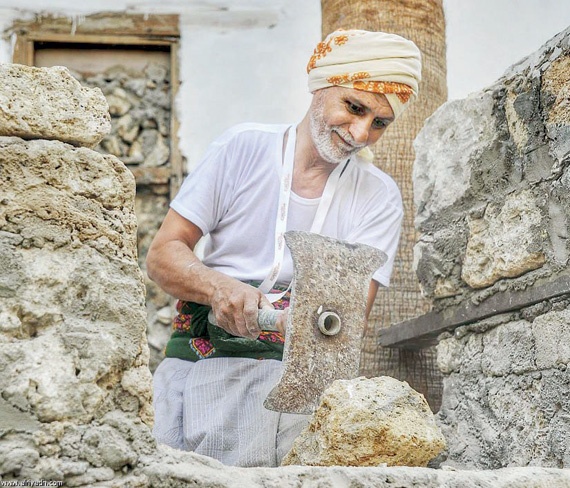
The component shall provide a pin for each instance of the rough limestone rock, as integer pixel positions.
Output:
(369, 422)
(505, 242)
(446, 153)
(48, 103)
(491, 181)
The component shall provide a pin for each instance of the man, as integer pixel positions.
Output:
(255, 182)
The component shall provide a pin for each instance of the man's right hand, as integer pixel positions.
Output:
(172, 264)
(236, 305)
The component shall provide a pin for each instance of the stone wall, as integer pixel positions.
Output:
(492, 184)
(75, 383)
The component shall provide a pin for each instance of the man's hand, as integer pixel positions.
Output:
(172, 264)
(236, 305)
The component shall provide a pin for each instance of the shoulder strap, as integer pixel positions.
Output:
(283, 210)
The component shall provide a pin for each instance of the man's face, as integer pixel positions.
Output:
(344, 120)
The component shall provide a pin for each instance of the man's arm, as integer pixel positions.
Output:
(172, 264)
(372, 291)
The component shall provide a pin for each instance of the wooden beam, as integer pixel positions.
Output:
(129, 40)
(105, 23)
(423, 331)
(176, 160)
(23, 51)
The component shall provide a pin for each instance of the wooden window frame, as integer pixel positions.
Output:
(112, 29)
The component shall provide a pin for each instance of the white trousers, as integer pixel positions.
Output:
(215, 407)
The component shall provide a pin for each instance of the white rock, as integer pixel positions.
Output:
(504, 242)
(552, 339)
(445, 151)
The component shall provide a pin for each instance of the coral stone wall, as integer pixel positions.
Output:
(492, 190)
(75, 384)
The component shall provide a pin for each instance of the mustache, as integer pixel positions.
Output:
(347, 137)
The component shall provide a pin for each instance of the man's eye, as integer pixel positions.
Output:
(354, 109)
(379, 123)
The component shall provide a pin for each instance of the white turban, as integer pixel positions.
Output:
(371, 61)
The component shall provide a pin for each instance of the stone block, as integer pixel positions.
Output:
(367, 422)
(72, 322)
(437, 260)
(508, 349)
(461, 354)
(449, 355)
(505, 242)
(555, 82)
(551, 334)
(452, 139)
(48, 103)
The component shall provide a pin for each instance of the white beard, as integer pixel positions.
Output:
(322, 138)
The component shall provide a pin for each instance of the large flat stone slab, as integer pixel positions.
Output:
(176, 469)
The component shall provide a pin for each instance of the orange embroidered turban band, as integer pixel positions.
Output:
(370, 61)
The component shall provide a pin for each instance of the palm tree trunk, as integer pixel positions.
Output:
(423, 22)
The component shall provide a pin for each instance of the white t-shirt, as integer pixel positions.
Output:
(232, 196)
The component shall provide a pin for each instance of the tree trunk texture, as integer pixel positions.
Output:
(423, 22)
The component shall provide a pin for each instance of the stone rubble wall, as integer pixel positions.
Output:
(492, 183)
(75, 385)
(139, 107)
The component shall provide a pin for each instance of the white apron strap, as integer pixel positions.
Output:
(283, 210)
(327, 196)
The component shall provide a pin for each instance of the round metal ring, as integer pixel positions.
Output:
(329, 323)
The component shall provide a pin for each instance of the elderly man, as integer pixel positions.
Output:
(255, 182)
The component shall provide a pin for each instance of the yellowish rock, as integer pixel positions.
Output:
(369, 422)
(505, 243)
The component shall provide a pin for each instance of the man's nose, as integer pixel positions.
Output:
(360, 131)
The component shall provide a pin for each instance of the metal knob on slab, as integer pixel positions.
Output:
(329, 323)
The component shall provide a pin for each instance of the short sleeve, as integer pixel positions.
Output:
(206, 194)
